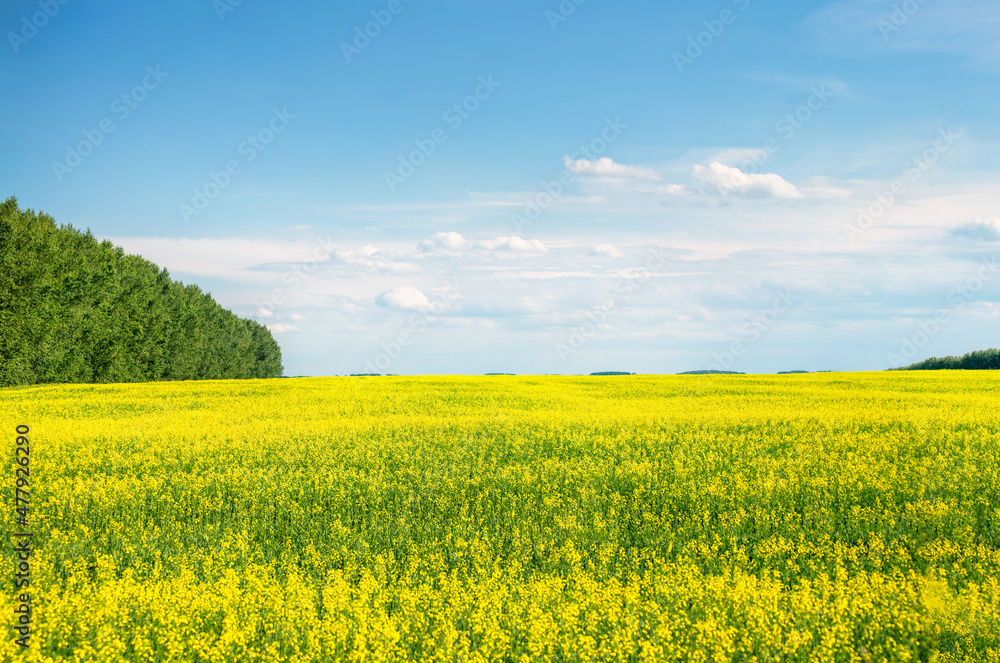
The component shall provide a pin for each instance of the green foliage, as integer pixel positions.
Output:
(711, 372)
(73, 309)
(981, 360)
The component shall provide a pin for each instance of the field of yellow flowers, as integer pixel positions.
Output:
(823, 517)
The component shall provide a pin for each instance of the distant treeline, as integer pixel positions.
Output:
(711, 372)
(980, 360)
(73, 309)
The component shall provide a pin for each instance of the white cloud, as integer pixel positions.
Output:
(226, 257)
(297, 316)
(724, 263)
(606, 250)
(734, 180)
(514, 244)
(448, 241)
(985, 230)
(265, 313)
(608, 168)
(404, 297)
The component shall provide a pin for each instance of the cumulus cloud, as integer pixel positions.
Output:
(606, 250)
(265, 313)
(980, 229)
(514, 244)
(449, 241)
(608, 168)
(281, 328)
(734, 180)
(404, 297)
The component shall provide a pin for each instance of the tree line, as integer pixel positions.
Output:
(980, 360)
(75, 309)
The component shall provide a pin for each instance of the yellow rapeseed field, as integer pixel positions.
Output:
(824, 517)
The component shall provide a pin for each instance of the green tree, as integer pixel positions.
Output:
(75, 309)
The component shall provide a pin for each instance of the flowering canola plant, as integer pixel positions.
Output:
(824, 517)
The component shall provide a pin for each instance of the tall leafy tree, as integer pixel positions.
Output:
(75, 309)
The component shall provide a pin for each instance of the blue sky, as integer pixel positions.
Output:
(763, 186)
